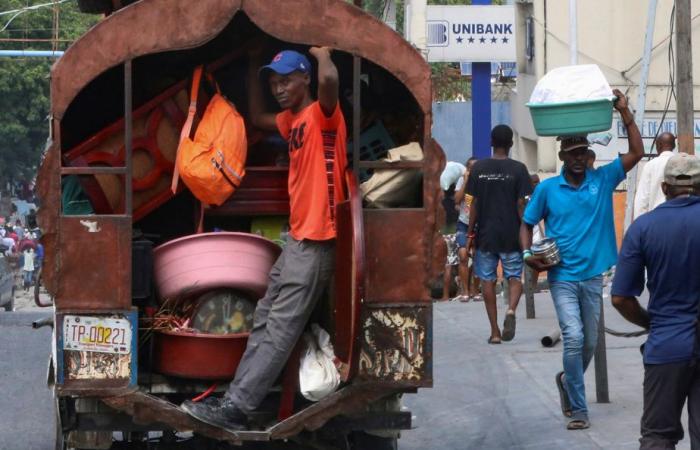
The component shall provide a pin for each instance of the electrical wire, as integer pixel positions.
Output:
(671, 74)
(17, 12)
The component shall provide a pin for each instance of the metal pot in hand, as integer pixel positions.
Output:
(547, 250)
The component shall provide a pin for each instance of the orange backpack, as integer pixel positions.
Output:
(212, 164)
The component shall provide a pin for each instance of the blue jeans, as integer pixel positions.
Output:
(578, 309)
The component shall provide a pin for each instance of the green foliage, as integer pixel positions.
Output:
(24, 82)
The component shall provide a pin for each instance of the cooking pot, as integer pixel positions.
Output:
(548, 250)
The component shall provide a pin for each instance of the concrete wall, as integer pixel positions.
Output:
(452, 126)
(611, 35)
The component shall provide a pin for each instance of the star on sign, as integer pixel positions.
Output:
(459, 39)
(482, 39)
(471, 40)
(493, 40)
(505, 40)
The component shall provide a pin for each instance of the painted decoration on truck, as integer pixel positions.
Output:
(86, 365)
(393, 344)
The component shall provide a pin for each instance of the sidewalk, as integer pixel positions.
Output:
(504, 396)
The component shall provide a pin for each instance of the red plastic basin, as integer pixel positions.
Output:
(198, 355)
(202, 262)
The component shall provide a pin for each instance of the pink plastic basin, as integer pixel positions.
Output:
(202, 262)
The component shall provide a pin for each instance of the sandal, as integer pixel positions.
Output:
(494, 340)
(464, 298)
(578, 421)
(509, 327)
(563, 395)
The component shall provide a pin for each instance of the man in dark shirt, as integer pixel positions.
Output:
(666, 242)
(498, 186)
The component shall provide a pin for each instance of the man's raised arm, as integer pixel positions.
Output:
(327, 79)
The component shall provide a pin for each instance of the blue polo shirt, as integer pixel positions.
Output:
(665, 241)
(580, 220)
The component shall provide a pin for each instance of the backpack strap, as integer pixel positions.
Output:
(187, 128)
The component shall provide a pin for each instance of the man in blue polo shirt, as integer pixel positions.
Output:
(578, 212)
(666, 242)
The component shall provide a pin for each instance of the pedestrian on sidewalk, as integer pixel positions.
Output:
(498, 186)
(577, 207)
(28, 268)
(665, 244)
(469, 283)
(649, 194)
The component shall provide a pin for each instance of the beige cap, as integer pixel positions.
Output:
(569, 143)
(682, 170)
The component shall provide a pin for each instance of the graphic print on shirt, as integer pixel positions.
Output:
(296, 137)
(329, 157)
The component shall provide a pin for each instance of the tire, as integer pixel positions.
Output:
(60, 439)
(366, 441)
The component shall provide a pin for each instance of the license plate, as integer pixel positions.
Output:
(97, 334)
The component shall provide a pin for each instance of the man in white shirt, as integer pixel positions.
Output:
(649, 194)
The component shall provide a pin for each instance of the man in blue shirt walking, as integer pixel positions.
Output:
(578, 212)
(666, 242)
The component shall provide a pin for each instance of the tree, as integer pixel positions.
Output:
(24, 82)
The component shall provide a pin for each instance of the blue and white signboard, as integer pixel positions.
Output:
(470, 33)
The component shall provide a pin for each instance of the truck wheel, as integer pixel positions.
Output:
(60, 439)
(366, 441)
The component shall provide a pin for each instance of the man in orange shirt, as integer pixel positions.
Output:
(316, 135)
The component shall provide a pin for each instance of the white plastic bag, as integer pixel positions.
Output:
(572, 83)
(318, 375)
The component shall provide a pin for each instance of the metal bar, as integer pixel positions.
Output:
(601, 362)
(31, 53)
(356, 72)
(529, 290)
(684, 77)
(573, 33)
(641, 106)
(93, 170)
(34, 40)
(128, 133)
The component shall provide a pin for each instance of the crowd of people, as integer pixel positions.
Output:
(20, 243)
(503, 210)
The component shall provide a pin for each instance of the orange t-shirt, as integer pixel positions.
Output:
(317, 161)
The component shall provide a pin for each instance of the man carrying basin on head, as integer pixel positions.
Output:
(577, 208)
(316, 135)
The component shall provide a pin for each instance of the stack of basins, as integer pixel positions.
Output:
(222, 275)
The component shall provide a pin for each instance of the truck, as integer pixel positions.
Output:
(119, 98)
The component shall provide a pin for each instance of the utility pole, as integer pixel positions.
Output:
(684, 78)
(481, 104)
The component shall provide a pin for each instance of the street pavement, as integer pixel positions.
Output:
(484, 396)
(26, 405)
(504, 396)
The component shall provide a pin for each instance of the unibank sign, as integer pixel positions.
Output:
(470, 33)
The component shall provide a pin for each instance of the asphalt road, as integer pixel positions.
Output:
(484, 396)
(26, 404)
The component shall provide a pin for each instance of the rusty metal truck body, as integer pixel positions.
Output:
(112, 121)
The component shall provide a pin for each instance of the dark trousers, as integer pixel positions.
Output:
(666, 387)
(297, 280)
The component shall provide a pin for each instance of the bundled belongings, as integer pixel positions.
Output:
(571, 100)
(394, 188)
(212, 165)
